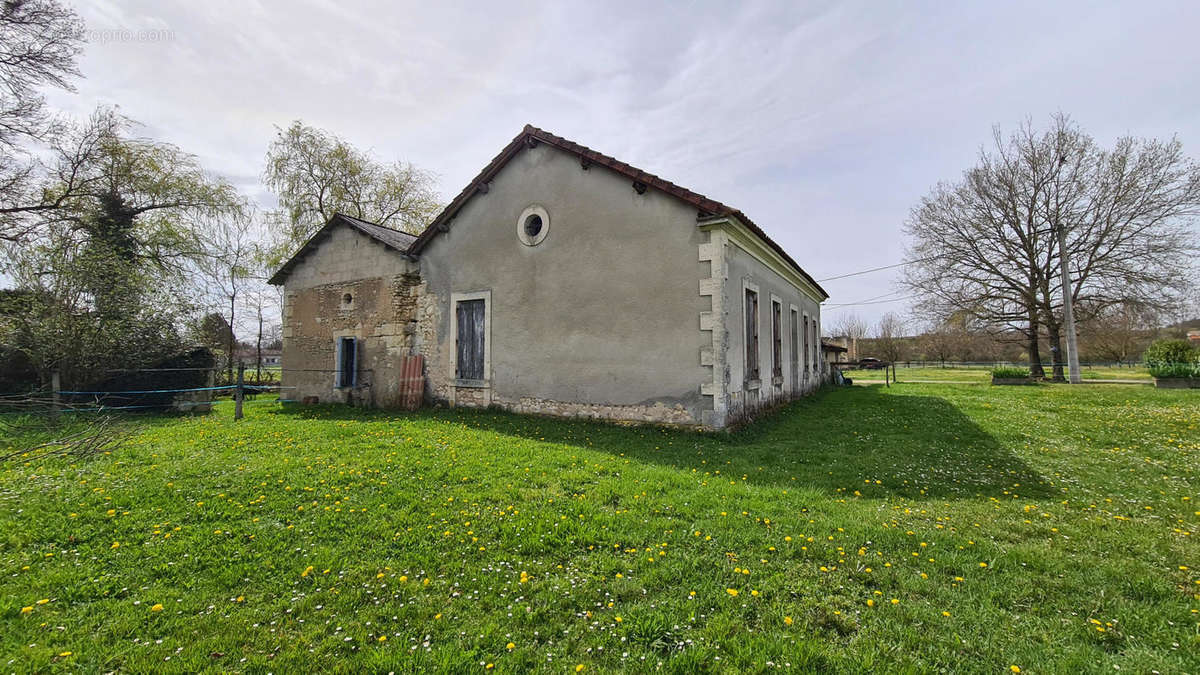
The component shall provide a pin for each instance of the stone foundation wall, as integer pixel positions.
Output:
(658, 413)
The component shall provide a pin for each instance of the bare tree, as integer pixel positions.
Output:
(888, 337)
(852, 327)
(938, 344)
(39, 42)
(262, 304)
(987, 245)
(229, 269)
(1119, 332)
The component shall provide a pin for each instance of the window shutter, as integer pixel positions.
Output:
(346, 352)
(805, 346)
(337, 361)
(470, 347)
(751, 306)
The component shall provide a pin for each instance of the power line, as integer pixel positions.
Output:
(870, 302)
(859, 302)
(873, 269)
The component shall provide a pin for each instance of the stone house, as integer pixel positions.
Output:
(559, 281)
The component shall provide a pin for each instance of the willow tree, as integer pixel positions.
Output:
(315, 174)
(987, 244)
(112, 263)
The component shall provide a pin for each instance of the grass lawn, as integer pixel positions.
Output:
(983, 374)
(920, 527)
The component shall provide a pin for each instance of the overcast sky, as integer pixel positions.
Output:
(824, 122)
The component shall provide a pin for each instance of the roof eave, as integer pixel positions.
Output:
(309, 246)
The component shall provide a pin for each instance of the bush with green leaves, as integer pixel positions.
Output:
(1172, 358)
(1009, 372)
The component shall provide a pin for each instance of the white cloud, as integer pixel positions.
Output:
(825, 122)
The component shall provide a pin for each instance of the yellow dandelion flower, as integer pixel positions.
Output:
(26, 610)
(1015, 669)
(579, 668)
(64, 655)
(732, 591)
(43, 601)
(945, 613)
(157, 607)
(618, 619)
(870, 602)
(510, 646)
(787, 620)
(383, 638)
(116, 544)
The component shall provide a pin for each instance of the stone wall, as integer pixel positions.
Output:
(657, 413)
(327, 298)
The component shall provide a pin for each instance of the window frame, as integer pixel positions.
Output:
(752, 366)
(455, 299)
(805, 346)
(776, 339)
(816, 347)
(794, 361)
(339, 372)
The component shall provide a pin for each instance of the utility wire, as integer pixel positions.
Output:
(870, 302)
(874, 269)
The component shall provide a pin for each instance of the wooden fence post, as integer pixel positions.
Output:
(55, 387)
(239, 393)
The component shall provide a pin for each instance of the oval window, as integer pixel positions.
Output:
(533, 225)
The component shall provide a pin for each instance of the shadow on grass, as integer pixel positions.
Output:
(922, 447)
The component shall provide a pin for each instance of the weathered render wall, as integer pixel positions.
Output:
(745, 270)
(384, 290)
(601, 319)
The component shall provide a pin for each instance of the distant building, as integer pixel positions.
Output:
(834, 353)
(848, 345)
(1194, 337)
(270, 357)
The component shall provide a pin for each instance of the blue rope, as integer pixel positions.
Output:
(147, 391)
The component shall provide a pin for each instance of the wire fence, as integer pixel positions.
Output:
(1048, 365)
(54, 402)
(159, 390)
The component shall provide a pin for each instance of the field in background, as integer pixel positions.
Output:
(983, 374)
(921, 526)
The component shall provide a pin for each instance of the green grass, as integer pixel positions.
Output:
(983, 374)
(921, 527)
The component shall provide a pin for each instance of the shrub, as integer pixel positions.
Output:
(1010, 372)
(1172, 358)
